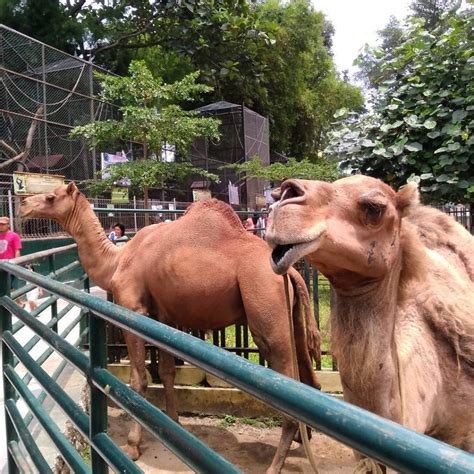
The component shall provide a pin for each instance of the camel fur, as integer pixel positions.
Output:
(403, 314)
(202, 271)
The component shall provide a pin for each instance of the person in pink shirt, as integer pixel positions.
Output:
(10, 243)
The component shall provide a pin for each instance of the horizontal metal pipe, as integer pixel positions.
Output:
(370, 434)
(187, 447)
(19, 458)
(35, 313)
(45, 355)
(151, 417)
(70, 455)
(120, 460)
(55, 375)
(25, 436)
(160, 211)
(54, 275)
(41, 254)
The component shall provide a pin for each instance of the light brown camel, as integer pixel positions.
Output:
(403, 313)
(203, 271)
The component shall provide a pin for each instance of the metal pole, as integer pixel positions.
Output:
(7, 356)
(135, 214)
(91, 91)
(10, 210)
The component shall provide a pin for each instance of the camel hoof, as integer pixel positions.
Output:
(131, 451)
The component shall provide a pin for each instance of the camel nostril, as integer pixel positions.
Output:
(291, 192)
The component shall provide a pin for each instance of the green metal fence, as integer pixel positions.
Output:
(380, 439)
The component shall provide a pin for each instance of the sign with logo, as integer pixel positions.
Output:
(201, 194)
(120, 196)
(260, 200)
(25, 184)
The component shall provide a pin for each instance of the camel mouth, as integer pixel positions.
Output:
(284, 256)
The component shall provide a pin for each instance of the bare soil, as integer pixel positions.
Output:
(250, 448)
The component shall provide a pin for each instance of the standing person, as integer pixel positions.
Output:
(10, 246)
(120, 237)
(10, 242)
(262, 224)
(33, 295)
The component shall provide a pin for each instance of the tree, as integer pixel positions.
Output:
(323, 170)
(370, 61)
(422, 125)
(149, 115)
(49, 21)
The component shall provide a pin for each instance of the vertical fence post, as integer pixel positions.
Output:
(98, 408)
(316, 306)
(84, 322)
(54, 306)
(7, 357)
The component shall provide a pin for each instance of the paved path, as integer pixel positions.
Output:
(70, 380)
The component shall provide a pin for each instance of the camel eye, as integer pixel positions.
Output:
(50, 197)
(373, 211)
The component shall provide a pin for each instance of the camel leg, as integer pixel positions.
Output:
(167, 371)
(279, 359)
(139, 383)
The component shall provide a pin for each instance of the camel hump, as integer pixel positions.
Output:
(214, 206)
(441, 233)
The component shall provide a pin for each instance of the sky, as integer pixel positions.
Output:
(356, 23)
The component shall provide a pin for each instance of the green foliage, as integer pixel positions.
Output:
(422, 125)
(323, 170)
(146, 173)
(49, 21)
(149, 115)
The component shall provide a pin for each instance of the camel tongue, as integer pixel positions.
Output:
(279, 252)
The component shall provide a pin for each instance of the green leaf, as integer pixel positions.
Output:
(414, 146)
(434, 134)
(392, 107)
(340, 112)
(425, 176)
(463, 184)
(379, 151)
(367, 143)
(429, 124)
(458, 115)
(440, 150)
(442, 178)
(454, 146)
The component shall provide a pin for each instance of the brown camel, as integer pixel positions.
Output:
(403, 313)
(203, 271)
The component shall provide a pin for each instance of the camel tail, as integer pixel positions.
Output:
(304, 322)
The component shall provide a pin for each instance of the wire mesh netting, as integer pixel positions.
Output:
(38, 81)
(244, 136)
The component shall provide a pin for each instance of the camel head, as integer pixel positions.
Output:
(57, 204)
(349, 227)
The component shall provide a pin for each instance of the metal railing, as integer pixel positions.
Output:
(385, 441)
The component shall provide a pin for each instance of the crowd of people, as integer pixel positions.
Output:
(256, 224)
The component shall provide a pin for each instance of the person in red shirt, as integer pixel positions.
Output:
(10, 243)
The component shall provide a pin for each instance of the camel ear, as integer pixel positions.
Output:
(71, 187)
(276, 194)
(408, 197)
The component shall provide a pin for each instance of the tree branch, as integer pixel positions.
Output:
(29, 141)
(7, 147)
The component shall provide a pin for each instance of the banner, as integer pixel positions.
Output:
(25, 184)
(109, 159)
(233, 194)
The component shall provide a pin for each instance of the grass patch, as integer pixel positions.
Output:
(260, 422)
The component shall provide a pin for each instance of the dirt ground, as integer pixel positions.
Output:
(250, 448)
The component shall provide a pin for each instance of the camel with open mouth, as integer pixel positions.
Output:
(403, 313)
(202, 271)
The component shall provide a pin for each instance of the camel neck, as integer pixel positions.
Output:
(363, 329)
(98, 255)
